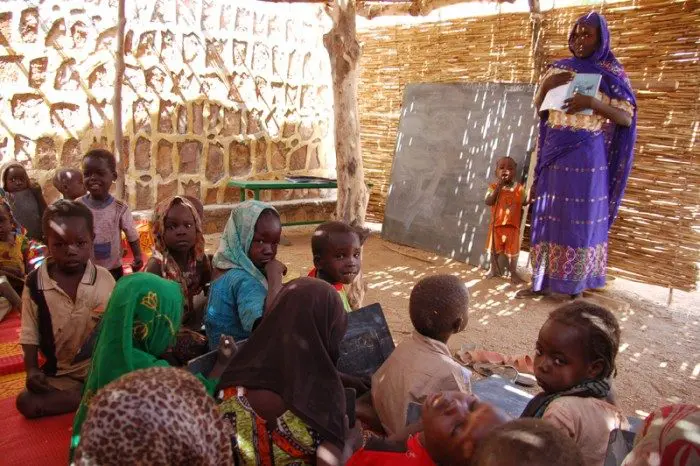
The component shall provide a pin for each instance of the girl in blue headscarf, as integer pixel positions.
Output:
(251, 274)
(583, 163)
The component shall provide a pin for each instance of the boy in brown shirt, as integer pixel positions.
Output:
(62, 303)
(422, 365)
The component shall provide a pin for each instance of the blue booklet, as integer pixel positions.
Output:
(583, 83)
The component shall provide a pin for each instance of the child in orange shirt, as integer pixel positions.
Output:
(506, 198)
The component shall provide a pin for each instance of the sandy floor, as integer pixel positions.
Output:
(659, 360)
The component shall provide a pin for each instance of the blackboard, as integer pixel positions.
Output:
(367, 342)
(502, 393)
(449, 138)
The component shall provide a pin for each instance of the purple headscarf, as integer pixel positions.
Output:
(615, 84)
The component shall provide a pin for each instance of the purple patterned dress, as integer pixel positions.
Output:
(583, 163)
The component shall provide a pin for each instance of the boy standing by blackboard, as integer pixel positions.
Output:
(506, 198)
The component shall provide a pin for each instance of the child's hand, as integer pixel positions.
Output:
(353, 437)
(275, 268)
(34, 185)
(531, 196)
(37, 382)
(137, 264)
(226, 350)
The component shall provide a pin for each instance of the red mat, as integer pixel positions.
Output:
(11, 358)
(33, 442)
(9, 328)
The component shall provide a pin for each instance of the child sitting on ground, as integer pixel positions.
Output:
(574, 360)
(112, 216)
(179, 253)
(62, 303)
(453, 425)
(506, 198)
(25, 198)
(337, 251)
(12, 267)
(527, 442)
(423, 364)
(69, 182)
(251, 276)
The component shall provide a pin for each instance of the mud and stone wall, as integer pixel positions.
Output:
(213, 90)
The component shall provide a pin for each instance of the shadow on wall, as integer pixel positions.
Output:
(201, 105)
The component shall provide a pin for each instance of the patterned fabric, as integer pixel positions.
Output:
(140, 323)
(569, 264)
(164, 417)
(189, 281)
(33, 252)
(339, 287)
(592, 388)
(619, 141)
(291, 441)
(582, 167)
(670, 437)
(12, 258)
(237, 236)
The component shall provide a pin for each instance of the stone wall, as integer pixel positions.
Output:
(213, 90)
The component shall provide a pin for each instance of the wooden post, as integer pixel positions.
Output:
(344, 53)
(117, 103)
(537, 52)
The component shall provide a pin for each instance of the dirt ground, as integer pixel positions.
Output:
(659, 359)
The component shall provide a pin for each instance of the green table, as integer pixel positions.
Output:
(258, 185)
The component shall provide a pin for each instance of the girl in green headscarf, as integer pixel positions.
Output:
(251, 274)
(141, 321)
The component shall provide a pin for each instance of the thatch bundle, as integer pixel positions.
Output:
(656, 238)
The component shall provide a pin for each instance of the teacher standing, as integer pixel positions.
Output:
(583, 163)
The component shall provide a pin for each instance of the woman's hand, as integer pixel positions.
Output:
(578, 103)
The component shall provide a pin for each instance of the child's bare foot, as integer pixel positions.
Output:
(494, 273)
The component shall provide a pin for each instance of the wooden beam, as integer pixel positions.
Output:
(117, 104)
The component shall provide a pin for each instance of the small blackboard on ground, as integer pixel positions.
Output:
(503, 394)
(367, 343)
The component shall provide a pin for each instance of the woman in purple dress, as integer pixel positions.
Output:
(582, 167)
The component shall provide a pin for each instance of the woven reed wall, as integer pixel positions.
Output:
(656, 238)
